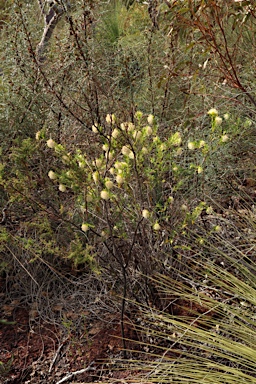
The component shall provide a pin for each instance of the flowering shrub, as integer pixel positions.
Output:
(124, 179)
(135, 183)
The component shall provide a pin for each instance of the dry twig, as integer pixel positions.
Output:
(72, 374)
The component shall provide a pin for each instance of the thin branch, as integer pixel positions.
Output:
(22, 266)
(41, 6)
(57, 354)
(72, 374)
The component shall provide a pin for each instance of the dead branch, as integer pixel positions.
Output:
(56, 356)
(72, 374)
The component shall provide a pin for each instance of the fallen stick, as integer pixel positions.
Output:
(72, 374)
(57, 354)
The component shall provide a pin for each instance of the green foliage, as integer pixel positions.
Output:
(113, 22)
(121, 197)
(5, 367)
(133, 185)
(82, 254)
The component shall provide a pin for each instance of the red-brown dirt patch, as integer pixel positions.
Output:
(34, 352)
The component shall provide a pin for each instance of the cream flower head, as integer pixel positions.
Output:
(50, 143)
(85, 227)
(145, 213)
(213, 112)
(104, 195)
(150, 119)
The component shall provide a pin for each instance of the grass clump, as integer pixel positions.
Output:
(205, 328)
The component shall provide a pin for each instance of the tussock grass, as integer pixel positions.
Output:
(206, 331)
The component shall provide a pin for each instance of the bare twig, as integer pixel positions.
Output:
(4, 214)
(15, 257)
(72, 374)
(57, 354)
(41, 5)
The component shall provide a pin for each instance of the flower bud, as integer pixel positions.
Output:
(145, 213)
(138, 115)
(213, 112)
(52, 175)
(98, 163)
(171, 199)
(85, 227)
(38, 135)
(125, 151)
(136, 135)
(115, 133)
(119, 179)
(176, 139)
(156, 226)
(95, 177)
(104, 195)
(109, 155)
(131, 155)
(109, 184)
(131, 127)
(108, 118)
(209, 210)
(150, 119)
(148, 130)
(50, 143)
(118, 165)
(191, 145)
(65, 159)
(224, 138)
(62, 188)
(199, 169)
(218, 120)
(81, 164)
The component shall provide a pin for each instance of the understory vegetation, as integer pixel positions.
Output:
(127, 177)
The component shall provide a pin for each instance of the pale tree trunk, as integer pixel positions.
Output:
(52, 12)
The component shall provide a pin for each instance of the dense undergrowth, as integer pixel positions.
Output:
(128, 152)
